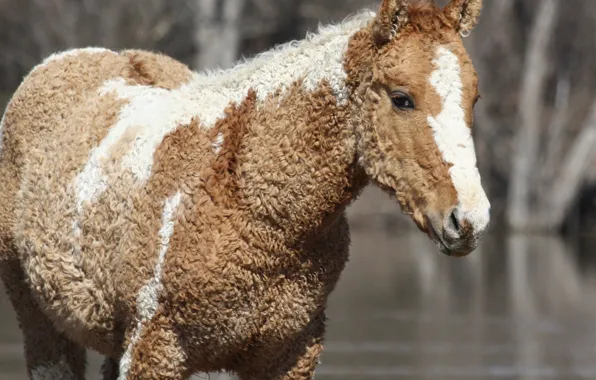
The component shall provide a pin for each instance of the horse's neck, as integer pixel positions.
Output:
(291, 140)
(317, 58)
(297, 163)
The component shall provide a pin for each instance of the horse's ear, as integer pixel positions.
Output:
(393, 14)
(463, 14)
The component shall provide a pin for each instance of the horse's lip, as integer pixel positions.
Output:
(437, 238)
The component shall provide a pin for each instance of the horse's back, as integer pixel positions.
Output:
(58, 115)
(51, 207)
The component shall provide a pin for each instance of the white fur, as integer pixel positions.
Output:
(147, 300)
(316, 58)
(60, 371)
(454, 139)
(156, 112)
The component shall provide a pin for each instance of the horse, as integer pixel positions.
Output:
(179, 222)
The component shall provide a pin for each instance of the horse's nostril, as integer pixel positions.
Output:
(454, 222)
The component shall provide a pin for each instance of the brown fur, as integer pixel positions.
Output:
(260, 235)
(156, 70)
(392, 16)
(427, 18)
(463, 14)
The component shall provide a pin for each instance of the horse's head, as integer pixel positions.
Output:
(415, 138)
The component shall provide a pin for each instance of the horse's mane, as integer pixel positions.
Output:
(322, 35)
(423, 16)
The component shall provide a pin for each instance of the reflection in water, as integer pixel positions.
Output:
(518, 308)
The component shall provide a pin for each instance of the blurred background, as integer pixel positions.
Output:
(523, 305)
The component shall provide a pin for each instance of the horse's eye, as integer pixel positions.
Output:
(402, 101)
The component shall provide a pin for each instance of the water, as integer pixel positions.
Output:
(518, 308)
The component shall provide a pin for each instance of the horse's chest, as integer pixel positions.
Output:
(231, 315)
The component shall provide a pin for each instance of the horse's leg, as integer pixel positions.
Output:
(49, 354)
(297, 362)
(154, 353)
(109, 369)
(294, 366)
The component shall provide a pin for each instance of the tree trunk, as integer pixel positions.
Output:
(556, 129)
(519, 208)
(217, 33)
(572, 174)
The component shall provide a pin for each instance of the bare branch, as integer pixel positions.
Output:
(555, 141)
(526, 148)
(217, 33)
(573, 171)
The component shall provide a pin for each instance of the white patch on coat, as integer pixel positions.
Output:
(454, 139)
(147, 299)
(59, 370)
(155, 112)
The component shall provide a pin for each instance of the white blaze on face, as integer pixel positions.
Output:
(454, 140)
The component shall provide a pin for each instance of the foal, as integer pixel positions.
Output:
(179, 222)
